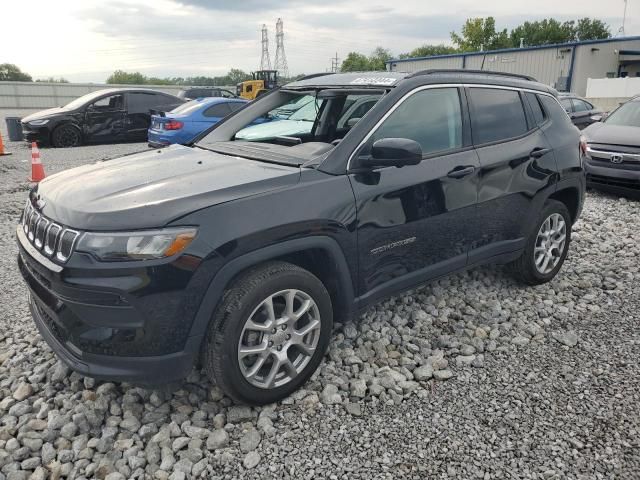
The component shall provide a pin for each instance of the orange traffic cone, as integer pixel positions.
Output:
(2, 152)
(37, 170)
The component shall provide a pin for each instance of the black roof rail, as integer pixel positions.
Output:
(461, 70)
(314, 75)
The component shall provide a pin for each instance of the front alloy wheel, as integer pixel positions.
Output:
(279, 339)
(269, 333)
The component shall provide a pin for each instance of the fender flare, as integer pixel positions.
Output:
(230, 270)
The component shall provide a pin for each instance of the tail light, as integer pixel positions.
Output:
(173, 125)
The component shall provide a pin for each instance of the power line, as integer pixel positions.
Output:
(281, 58)
(265, 61)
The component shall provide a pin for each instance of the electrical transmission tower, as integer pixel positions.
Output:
(265, 61)
(281, 59)
(335, 65)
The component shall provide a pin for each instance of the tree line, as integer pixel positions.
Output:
(481, 34)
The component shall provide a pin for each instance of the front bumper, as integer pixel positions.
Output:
(101, 326)
(606, 176)
(35, 134)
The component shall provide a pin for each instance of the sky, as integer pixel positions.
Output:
(86, 40)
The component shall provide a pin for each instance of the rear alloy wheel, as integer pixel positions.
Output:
(550, 243)
(546, 247)
(269, 333)
(66, 136)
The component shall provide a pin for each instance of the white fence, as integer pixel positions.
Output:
(46, 95)
(613, 87)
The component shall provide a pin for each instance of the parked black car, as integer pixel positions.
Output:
(191, 93)
(613, 161)
(241, 255)
(105, 116)
(580, 111)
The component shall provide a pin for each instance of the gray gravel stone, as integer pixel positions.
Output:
(250, 440)
(251, 460)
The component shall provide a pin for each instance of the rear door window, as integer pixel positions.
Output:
(497, 115)
(567, 104)
(538, 113)
(140, 102)
(217, 110)
(581, 105)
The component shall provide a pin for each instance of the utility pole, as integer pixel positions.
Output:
(624, 18)
(281, 59)
(335, 64)
(265, 61)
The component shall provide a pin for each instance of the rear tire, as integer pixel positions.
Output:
(546, 247)
(66, 136)
(255, 316)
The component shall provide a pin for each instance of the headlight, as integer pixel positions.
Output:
(36, 123)
(142, 245)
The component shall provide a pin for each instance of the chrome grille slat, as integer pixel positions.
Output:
(53, 239)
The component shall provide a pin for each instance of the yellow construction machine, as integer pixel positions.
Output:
(262, 81)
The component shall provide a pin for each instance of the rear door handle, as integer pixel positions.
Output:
(462, 172)
(539, 152)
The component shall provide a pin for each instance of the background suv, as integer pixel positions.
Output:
(241, 254)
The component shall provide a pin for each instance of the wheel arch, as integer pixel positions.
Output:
(320, 255)
(570, 197)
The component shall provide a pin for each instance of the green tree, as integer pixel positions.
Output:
(429, 50)
(542, 32)
(355, 62)
(379, 58)
(480, 34)
(591, 29)
(236, 76)
(11, 73)
(130, 78)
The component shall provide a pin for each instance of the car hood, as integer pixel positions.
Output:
(153, 188)
(612, 134)
(277, 128)
(49, 112)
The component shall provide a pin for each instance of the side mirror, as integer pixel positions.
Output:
(596, 118)
(394, 152)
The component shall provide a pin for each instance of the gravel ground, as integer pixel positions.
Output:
(469, 377)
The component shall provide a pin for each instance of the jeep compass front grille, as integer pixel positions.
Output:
(52, 239)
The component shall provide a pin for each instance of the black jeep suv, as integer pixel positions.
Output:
(239, 255)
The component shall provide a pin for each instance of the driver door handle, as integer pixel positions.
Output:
(539, 152)
(461, 172)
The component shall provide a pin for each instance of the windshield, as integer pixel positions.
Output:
(627, 115)
(79, 102)
(292, 126)
(187, 108)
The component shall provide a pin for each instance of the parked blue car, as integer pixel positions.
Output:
(182, 124)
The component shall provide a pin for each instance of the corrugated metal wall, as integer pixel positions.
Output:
(47, 95)
(547, 65)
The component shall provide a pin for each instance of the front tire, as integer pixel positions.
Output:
(547, 246)
(66, 136)
(269, 333)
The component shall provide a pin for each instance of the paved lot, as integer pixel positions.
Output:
(470, 377)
